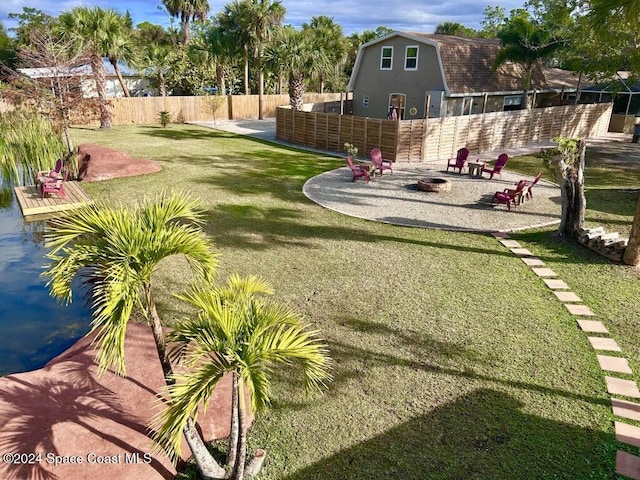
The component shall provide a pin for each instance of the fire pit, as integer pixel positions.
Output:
(438, 185)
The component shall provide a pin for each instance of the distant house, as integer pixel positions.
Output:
(423, 75)
(137, 84)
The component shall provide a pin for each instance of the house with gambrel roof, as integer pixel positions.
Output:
(428, 75)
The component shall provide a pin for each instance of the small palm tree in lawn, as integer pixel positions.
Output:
(240, 332)
(115, 251)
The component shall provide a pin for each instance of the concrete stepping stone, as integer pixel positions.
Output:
(500, 234)
(628, 434)
(510, 243)
(532, 261)
(614, 364)
(618, 386)
(628, 465)
(592, 326)
(521, 252)
(625, 409)
(567, 297)
(555, 284)
(600, 343)
(544, 272)
(578, 309)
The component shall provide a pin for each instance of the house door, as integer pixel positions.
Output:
(434, 97)
(396, 103)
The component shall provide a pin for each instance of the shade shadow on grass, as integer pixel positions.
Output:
(484, 434)
(250, 227)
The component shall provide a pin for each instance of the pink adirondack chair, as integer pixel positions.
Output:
(358, 171)
(497, 168)
(459, 161)
(528, 193)
(56, 187)
(381, 163)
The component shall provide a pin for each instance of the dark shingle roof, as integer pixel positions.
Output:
(468, 67)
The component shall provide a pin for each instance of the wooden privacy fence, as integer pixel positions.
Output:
(144, 110)
(432, 139)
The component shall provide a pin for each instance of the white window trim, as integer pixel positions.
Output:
(382, 58)
(406, 52)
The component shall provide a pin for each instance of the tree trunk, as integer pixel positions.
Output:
(525, 87)
(232, 450)
(242, 436)
(101, 90)
(162, 85)
(321, 84)
(220, 77)
(125, 90)
(184, 26)
(296, 89)
(260, 93)
(570, 176)
(575, 101)
(246, 69)
(207, 466)
(632, 252)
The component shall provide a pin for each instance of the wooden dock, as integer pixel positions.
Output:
(35, 208)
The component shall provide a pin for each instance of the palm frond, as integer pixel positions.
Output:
(184, 397)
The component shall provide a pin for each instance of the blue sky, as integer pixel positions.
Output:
(354, 16)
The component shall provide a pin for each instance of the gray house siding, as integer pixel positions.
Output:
(378, 85)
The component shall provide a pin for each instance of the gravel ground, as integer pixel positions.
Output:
(395, 198)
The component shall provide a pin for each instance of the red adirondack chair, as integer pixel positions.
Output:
(528, 193)
(459, 161)
(497, 168)
(358, 171)
(510, 195)
(56, 187)
(380, 163)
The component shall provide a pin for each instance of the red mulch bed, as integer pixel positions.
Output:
(97, 163)
(67, 410)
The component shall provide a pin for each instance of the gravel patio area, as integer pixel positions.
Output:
(396, 199)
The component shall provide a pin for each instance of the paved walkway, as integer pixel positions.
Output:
(619, 376)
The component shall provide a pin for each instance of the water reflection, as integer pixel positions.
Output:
(35, 328)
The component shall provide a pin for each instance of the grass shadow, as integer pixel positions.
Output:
(485, 434)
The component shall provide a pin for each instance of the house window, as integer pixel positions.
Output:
(396, 104)
(411, 57)
(386, 58)
(512, 103)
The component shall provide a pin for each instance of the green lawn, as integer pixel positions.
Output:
(452, 359)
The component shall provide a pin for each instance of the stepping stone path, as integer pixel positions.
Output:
(627, 464)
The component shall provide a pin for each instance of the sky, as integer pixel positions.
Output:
(353, 16)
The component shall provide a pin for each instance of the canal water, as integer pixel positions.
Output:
(34, 327)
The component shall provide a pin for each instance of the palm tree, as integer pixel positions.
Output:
(328, 36)
(224, 49)
(525, 42)
(186, 11)
(102, 33)
(295, 53)
(115, 251)
(121, 47)
(236, 331)
(252, 23)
